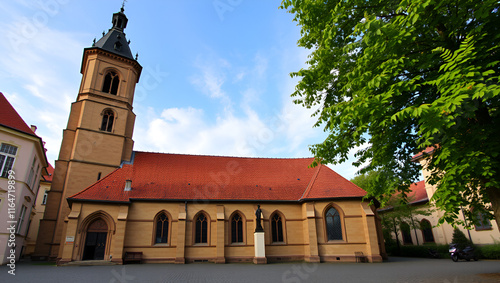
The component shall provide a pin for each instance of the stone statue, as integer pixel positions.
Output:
(258, 214)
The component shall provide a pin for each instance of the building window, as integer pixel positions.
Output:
(45, 195)
(21, 219)
(7, 157)
(333, 225)
(107, 121)
(236, 228)
(201, 229)
(32, 172)
(405, 231)
(32, 178)
(161, 229)
(482, 222)
(426, 228)
(111, 81)
(277, 228)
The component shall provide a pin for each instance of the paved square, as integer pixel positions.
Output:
(394, 270)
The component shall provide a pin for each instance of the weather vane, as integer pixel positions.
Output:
(123, 5)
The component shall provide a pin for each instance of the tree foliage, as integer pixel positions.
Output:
(378, 185)
(460, 239)
(399, 210)
(402, 76)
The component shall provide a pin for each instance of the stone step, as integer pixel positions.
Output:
(89, 262)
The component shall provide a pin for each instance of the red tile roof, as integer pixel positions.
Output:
(417, 192)
(429, 150)
(160, 176)
(10, 118)
(50, 173)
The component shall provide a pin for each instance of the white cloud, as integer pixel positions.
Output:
(29, 57)
(187, 130)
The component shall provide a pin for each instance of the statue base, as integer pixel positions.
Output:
(260, 248)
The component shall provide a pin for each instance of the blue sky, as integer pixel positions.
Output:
(215, 79)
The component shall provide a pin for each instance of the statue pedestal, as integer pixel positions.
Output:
(260, 248)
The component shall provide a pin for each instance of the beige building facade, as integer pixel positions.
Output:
(430, 232)
(38, 211)
(22, 161)
(310, 214)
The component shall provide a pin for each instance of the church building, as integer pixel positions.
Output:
(108, 202)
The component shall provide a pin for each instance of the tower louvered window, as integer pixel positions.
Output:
(108, 118)
(111, 81)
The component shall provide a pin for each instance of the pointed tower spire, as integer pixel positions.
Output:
(115, 41)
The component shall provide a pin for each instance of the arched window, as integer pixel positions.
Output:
(405, 231)
(333, 225)
(426, 228)
(161, 229)
(108, 118)
(201, 229)
(482, 222)
(236, 228)
(277, 228)
(111, 81)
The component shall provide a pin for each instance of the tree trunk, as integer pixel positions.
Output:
(396, 233)
(494, 195)
(415, 230)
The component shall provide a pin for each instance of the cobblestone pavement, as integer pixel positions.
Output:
(394, 270)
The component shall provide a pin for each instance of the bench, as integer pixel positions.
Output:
(132, 257)
(360, 257)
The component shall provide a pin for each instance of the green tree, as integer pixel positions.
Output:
(460, 239)
(400, 210)
(377, 184)
(402, 76)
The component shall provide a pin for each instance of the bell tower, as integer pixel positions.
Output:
(98, 136)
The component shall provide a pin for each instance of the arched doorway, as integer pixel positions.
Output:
(95, 242)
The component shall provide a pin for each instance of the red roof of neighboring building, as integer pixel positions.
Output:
(11, 119)
(50, 173)
(160, 176)
(429, 150)
(418, 192)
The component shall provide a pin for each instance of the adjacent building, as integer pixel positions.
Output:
(428, 231)
(38, 211)
(22, 161)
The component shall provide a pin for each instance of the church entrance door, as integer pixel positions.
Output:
(95, 243)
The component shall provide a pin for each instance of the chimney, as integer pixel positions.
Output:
(33, 128)
(128, 185)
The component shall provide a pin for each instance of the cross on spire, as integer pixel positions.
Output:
(123, 5)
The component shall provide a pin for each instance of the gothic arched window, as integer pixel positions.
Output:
(236, 228)
(108, 118)
(406, 232)
(426, 228)
(201, 229)
(277, 227)
(333, 225)
(111, 81)
(161, 229)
